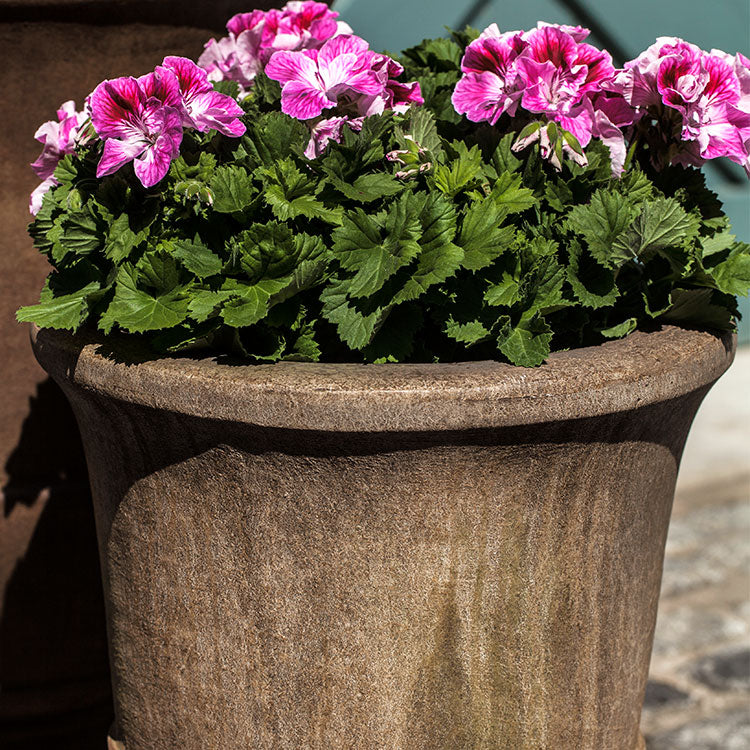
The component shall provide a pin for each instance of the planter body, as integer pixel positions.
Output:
(53, 653)
(398, 556)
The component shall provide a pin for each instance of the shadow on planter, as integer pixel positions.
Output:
(52, 614)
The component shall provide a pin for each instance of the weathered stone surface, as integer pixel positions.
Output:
(711, 562)
(435, 556)
(687, 628)
(729, 731)
(726, 670)
(662, 694)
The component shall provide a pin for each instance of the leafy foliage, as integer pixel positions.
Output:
(463, 250)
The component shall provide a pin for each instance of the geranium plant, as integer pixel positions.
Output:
(296, 195)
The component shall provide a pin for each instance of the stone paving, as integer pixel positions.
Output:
(698, 696)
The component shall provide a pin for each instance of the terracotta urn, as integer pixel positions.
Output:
(443, 557)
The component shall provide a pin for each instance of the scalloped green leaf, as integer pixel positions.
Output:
(482, 236)
(232, 188)
(136, 311)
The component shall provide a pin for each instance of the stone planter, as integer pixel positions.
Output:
(430, 557)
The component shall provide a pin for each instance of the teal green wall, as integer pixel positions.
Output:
(722, 24)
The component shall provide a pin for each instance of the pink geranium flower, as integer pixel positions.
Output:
(558, 72)
(611, 115)
(37, 195)
(140, 120)
(547, 71)
(223, 61)
(312, 81)
(57, 138)
(203, 108)
(706, 94)
(254, 37)
(491, 84)
(345, 76)
(393, 95)
(323, 131)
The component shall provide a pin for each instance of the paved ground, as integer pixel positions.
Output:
(698, 696)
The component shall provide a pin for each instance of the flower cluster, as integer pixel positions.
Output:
(344, 74)
(254, 37)
(142, 119)
(675, 102)
(700, 100)
(548, 71)
(58, 138)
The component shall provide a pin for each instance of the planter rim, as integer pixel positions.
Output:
(641, 369)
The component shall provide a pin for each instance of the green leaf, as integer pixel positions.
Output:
(661, 224)
(158, 270)
(355, 327)
(732, 275)
(696, 307)
(374, 248)
(503, 159)
(505, 293)
(717, 243)
(436, 54)
(229, 88)
(620, 330)
(394, 340)
(67, 311)
(197, 258)
(80, 234)
(559, 196)
(305, 348)
(462, 171)
(526, 344)
(482, 237)
(66, 171)
(305, 275)
(232, 189)
(508, 193)
(466, 333)
(136, 311)
(265, 251)
(291, 194)
(542, 286)
(368, 187)
(203, 302)
(274, 136)
(252, 304)
(200, 169)
(600, 223)
(593, 285)
(433, 267)
(439, 258)
(121, 239)
(635, 186)
(423, 130)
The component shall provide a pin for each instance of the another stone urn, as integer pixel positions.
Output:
(443, 557)
(54, 678)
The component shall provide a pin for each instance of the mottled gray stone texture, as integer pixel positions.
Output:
(438, 557)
